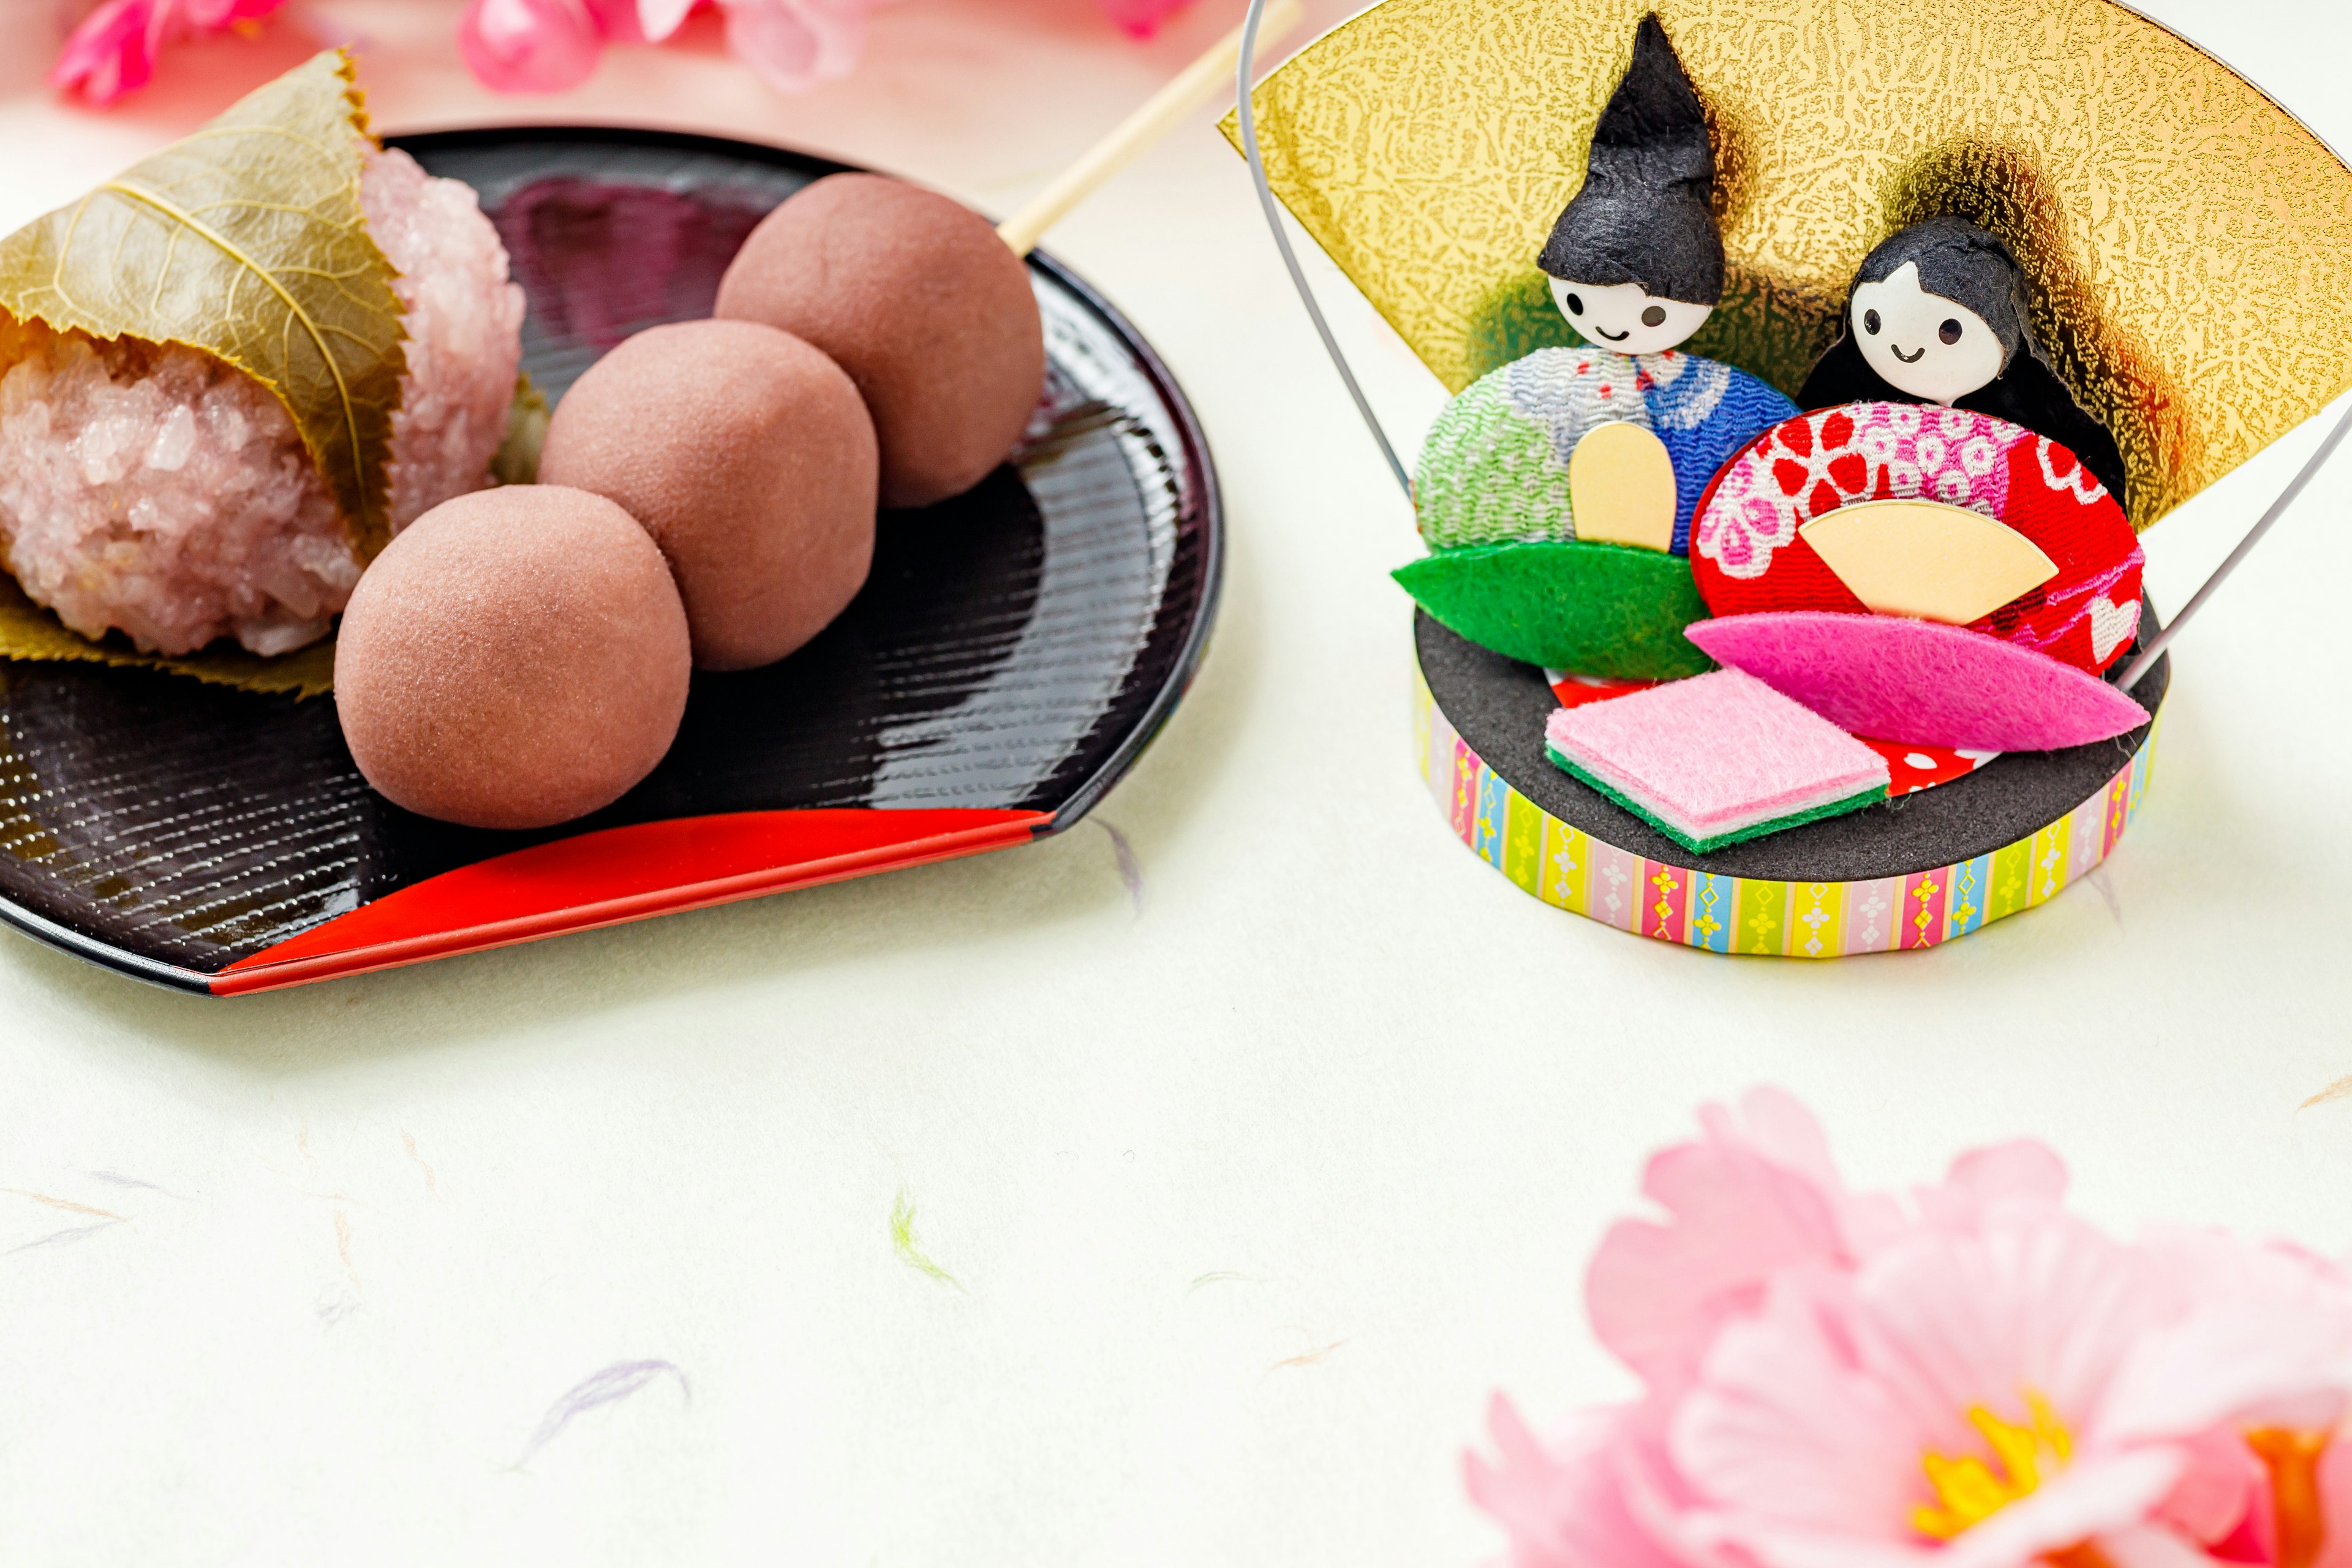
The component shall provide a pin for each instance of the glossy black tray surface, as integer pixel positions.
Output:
(1015, 648)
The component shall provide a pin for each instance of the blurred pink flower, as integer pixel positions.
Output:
(531, 46)
(1966, 1376)
(1141, 19)
(795, 44)
(547, 46)
(113, 51)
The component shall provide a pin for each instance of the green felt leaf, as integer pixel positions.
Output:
(1607, 610)
(246, 240)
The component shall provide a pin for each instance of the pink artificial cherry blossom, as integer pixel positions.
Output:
(1141, 19)
(113, 51)
(1965, 1376)
(548, 45)
(796, 44)
(530, 46)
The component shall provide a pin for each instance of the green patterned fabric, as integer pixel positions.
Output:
(1489, 473)
(1494, 468)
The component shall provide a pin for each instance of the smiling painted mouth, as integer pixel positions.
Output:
(1914, 357)
(1621, 337)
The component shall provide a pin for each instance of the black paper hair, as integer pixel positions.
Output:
(1644, 215)
(1960, 262)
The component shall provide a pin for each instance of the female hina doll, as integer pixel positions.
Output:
(1939, 316)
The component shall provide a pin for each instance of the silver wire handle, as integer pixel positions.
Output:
(2163, 639)
(1243, 79)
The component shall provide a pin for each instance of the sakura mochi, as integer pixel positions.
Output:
(1716, 758)
(153, 489)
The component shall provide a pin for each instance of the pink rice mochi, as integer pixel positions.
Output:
(1920, 682)
(1715, 755)
(156, 490)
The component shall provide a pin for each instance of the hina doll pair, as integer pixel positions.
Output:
(1780, 603)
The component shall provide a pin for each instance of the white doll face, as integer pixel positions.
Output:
(1921, 343)
(1623, 317)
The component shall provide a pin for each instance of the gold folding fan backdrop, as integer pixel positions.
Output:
(2190, 242)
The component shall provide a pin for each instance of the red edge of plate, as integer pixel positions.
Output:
(621, 874)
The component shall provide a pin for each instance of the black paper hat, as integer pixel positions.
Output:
(1644, 215)
(1960, 262)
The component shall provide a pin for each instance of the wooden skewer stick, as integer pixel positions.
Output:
(1195, 85)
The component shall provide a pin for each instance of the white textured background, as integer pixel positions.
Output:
(1249, 1189)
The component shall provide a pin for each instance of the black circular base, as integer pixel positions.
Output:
(1498, 707)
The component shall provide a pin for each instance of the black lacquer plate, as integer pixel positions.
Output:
(1014, 652)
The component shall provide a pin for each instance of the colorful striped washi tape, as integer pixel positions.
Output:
(1569, 868)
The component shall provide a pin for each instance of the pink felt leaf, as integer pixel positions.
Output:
(1919, 682)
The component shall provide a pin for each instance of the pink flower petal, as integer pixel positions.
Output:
(2150, 1546)
(658, 19)
(2335, 1479)
(1785, 1426)
(212, 15)
(112, 53)
(2223, 1499)
(2262, 1337)
(796, 44)
(2092, 1497)
(1558, 1503)
(2036, 1303)
(1752, 1197)
(1983, 1177)
(115, 48)
(1140, 18)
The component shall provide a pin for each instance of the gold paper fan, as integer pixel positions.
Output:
(2190, 242)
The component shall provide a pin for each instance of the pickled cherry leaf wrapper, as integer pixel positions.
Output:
(246, 240)
(30, 632)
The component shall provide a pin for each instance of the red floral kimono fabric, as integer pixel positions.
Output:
(1748, 556)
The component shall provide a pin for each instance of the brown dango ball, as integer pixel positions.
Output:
(515, 658)
(928, 312)
(749, 456)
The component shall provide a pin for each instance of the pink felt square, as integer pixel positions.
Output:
(1716, 752)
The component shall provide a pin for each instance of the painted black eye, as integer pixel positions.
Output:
(1655, 316)
(1870, 322)
(1951, 330)
(1575, 306)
